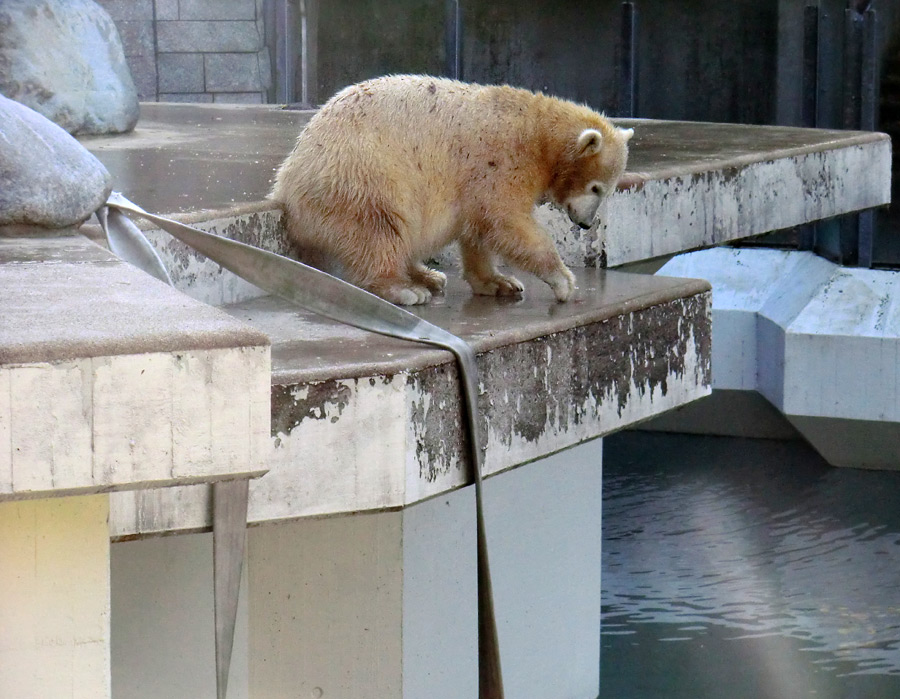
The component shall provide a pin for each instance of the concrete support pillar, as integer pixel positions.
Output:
(384, 604)
(54, 598)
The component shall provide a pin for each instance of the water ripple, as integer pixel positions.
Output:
(757, 538)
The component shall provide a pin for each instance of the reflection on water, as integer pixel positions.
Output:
(746, 568)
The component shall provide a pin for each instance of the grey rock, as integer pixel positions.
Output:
(64, 59)
(47, 178)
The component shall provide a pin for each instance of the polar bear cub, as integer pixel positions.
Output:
(391, 170)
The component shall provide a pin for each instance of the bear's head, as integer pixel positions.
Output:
(589, 170)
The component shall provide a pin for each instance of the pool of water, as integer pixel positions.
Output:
(737, 568)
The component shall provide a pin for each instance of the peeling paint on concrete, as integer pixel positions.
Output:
(199, 277)
(435, 422)
(579, 376)
(386, 441)
(670, 212)
(318, 400)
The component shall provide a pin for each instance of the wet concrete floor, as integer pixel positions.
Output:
(746, 569)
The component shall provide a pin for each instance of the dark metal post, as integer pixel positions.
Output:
(627, 61)
(809, 91)
(453, 39)
(285, 38)
(809, 107)
(852, 68)
(860, 112)
(868, 107)
(868, 98)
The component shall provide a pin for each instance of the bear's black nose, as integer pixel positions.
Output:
(584, 226)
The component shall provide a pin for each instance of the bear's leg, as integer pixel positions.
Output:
(431, 279)
(523, 243)
(379, 260)
(482, 275)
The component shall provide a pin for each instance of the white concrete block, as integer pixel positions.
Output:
(50, 425)
(131, 408)
(384, 604)
(734, 362)
(543, 523)
(126, 421)
(827, 345)
(6, 474)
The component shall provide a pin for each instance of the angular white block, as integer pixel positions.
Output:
(827, 345)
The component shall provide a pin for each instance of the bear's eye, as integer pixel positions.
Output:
(597, 189)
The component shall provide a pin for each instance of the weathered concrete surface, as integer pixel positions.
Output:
(47, 178)
(820, 342)
(688, 185)
(110, 379)
(552, 375)
(201, 278)
(64, 59)
(695, 185)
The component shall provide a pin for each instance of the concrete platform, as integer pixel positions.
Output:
(110, 379)
(689, 185)
(552, 375)
(819, 342)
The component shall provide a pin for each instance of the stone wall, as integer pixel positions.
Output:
(194, 50)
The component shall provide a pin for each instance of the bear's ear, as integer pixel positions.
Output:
(589, 142)
(626, 134)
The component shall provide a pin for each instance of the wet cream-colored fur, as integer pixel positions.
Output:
(391, 170)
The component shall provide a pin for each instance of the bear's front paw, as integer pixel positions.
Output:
(406, 295)
(498, 285)
(563, 284)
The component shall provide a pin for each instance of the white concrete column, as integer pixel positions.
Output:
(361, 606)
(384, 605)
(54, 598)
(543, 520)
